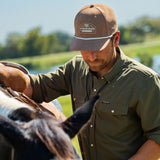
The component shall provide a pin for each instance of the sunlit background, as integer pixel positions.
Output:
(58, 15)
(37, 33)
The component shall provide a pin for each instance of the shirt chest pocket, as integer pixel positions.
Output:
(111, 108)
(113, 119)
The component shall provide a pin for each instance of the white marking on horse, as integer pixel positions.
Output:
(8, 104)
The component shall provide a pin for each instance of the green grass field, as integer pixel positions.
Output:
(142, 50)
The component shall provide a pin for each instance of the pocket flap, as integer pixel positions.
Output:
(113, 108)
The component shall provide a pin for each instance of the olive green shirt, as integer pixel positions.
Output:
(127, 113)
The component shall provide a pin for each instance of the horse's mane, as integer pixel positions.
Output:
(52, 135)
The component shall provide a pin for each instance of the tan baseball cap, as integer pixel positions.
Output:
(94, 25)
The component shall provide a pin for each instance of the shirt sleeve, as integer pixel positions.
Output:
(47, 87)
(148, 108)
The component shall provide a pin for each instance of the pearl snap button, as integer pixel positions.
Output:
(92, 145)
(112, 110)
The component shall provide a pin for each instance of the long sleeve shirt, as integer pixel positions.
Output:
(127, 113)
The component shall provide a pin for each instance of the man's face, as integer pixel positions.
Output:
(99, 60)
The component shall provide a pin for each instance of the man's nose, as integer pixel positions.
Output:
(92, 56)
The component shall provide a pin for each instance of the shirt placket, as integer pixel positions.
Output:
(92, 139)
(97, 85)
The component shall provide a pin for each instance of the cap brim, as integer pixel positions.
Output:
(88, 45)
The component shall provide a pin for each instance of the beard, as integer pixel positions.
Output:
(97, 65)
(101, 63)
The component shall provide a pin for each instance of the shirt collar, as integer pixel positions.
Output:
(117, 68)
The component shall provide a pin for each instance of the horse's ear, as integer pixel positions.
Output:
(10, 130)
(74, 123)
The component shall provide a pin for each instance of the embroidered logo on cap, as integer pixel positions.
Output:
(87, 28)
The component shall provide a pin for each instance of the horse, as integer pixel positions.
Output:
(8, 70)
(35, 134)
(35, 131)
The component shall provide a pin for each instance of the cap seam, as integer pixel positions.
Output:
(102, 14)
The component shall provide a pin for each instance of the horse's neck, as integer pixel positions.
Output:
(9, 104)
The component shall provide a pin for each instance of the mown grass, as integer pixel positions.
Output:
(143, 50)
(45, 61)
(134, 50)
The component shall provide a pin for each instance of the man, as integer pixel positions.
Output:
(126, 121)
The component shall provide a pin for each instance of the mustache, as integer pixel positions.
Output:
(96, 60)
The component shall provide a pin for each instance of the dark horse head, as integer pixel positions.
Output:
(39, 136)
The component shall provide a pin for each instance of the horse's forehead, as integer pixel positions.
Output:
(52, 136)
(44, 125)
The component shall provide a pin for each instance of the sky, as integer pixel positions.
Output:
(22, 16)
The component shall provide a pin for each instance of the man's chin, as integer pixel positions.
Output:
(94, 69)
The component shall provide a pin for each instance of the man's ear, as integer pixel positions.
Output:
(116, 39)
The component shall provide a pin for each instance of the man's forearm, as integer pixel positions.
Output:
(29, 89)
(150, 150)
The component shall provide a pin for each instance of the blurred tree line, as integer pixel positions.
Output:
(142, 29)
(35, 43)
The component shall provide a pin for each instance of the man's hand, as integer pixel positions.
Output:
(150, 150)
(13, 77)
